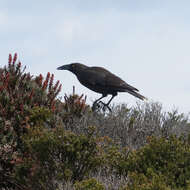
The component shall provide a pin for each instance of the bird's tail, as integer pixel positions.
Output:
(136, 94)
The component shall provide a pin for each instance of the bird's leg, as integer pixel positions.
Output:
(107, 105)
(96, 101)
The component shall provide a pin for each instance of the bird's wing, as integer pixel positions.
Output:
(105, 78)
(116, 82)
(94, 77)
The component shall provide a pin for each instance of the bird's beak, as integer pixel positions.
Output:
(64, 67)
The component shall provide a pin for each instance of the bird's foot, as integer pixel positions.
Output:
(97, 106)
(105, 106)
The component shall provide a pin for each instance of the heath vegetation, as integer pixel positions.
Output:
(53, 143)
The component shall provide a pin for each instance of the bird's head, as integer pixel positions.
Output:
(73, 67)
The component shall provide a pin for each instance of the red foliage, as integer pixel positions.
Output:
(75, 104)
(19, 94)
(15, 58)
(10, 59)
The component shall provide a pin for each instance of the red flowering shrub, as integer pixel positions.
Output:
(19, 95)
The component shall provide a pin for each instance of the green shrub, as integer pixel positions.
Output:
(89, 184)
(142, 182)
(169, 158)
(58, 156)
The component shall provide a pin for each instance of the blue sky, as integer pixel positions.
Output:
(145, 42)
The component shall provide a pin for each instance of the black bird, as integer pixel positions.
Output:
(101, 81)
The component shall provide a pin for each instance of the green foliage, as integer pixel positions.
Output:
(117, 160)
(169, 158)
(39, 116)
(89, 184)
(142, 182)
(58, 155)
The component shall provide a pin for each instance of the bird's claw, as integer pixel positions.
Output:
(98, 106)
(105, 106)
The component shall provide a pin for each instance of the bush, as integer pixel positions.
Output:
(58, 156)
(142, 182)
(169, 158)
(73, 110)
(47, 144)
(19, 95)
(89, 184)
(130, 126)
